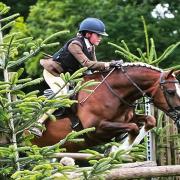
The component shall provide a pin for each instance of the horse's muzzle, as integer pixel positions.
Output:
(174, 113)
(177, 108)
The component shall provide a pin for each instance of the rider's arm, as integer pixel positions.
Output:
(75, 48)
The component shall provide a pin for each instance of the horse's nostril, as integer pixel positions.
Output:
(171, 92)
(177, 108)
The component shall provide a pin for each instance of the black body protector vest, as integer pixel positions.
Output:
(67, 60)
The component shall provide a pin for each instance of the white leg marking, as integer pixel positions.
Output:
(125, 144)
(139, 138)
(141, 135)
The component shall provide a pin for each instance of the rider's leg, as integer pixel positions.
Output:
(55, 83)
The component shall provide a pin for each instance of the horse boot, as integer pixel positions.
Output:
(60, 112)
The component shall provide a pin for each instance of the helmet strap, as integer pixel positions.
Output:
(88, 36)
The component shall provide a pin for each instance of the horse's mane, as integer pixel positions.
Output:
(129, 64)
(141, 64)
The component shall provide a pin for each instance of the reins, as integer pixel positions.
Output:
(117, 95)
(135, 85)
(104, 79)
(113, 92)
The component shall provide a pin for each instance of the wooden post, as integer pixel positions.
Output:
(143, 172)
(167, 141)
(78, 174)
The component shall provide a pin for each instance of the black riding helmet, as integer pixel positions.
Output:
(93, 25)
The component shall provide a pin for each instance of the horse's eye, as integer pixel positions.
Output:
(171, 92)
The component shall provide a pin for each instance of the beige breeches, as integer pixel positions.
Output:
(52, 81)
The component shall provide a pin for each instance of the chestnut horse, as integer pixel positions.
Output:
(111, 107)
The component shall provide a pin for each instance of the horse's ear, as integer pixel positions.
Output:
(169, 73)
(177, 72)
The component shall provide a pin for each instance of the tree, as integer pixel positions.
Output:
(21, 7)
(123, 21)
(17, 107)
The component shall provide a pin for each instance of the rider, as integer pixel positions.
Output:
(76, 53)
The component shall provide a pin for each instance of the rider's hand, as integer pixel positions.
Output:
(116, 63)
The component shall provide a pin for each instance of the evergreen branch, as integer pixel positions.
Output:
(5, 9)
(54, 35)
(27, 124)
(7, 25)
(124, 52)
(8, 51)
(177, 67)
(50, 44)
(142, 55)
(166, 53)
(24, 80)
(30, 83)
(130, 58)
(9, 17)
(152, 51)
(68, 138)
(23, 59)
(146, 36)
(125, 46)
(23, 40)
(8, 36)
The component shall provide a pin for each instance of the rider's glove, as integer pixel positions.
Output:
(116, 63)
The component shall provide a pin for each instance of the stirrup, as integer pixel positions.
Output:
(48, 92)
(74, 125)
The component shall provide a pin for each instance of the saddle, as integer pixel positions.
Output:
(69, 112)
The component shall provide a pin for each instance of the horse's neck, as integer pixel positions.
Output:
(136, 81)
(131, 82)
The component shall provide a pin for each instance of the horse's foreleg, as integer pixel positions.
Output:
(115, 128)
(131, 140)
(150, 122)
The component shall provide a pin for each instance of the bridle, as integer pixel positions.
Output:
(172, 111)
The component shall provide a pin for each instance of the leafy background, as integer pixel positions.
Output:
(122, 18)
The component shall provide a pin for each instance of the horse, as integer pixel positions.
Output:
(111, 106)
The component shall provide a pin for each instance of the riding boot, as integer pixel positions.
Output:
(37, 131)
(52, 81)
